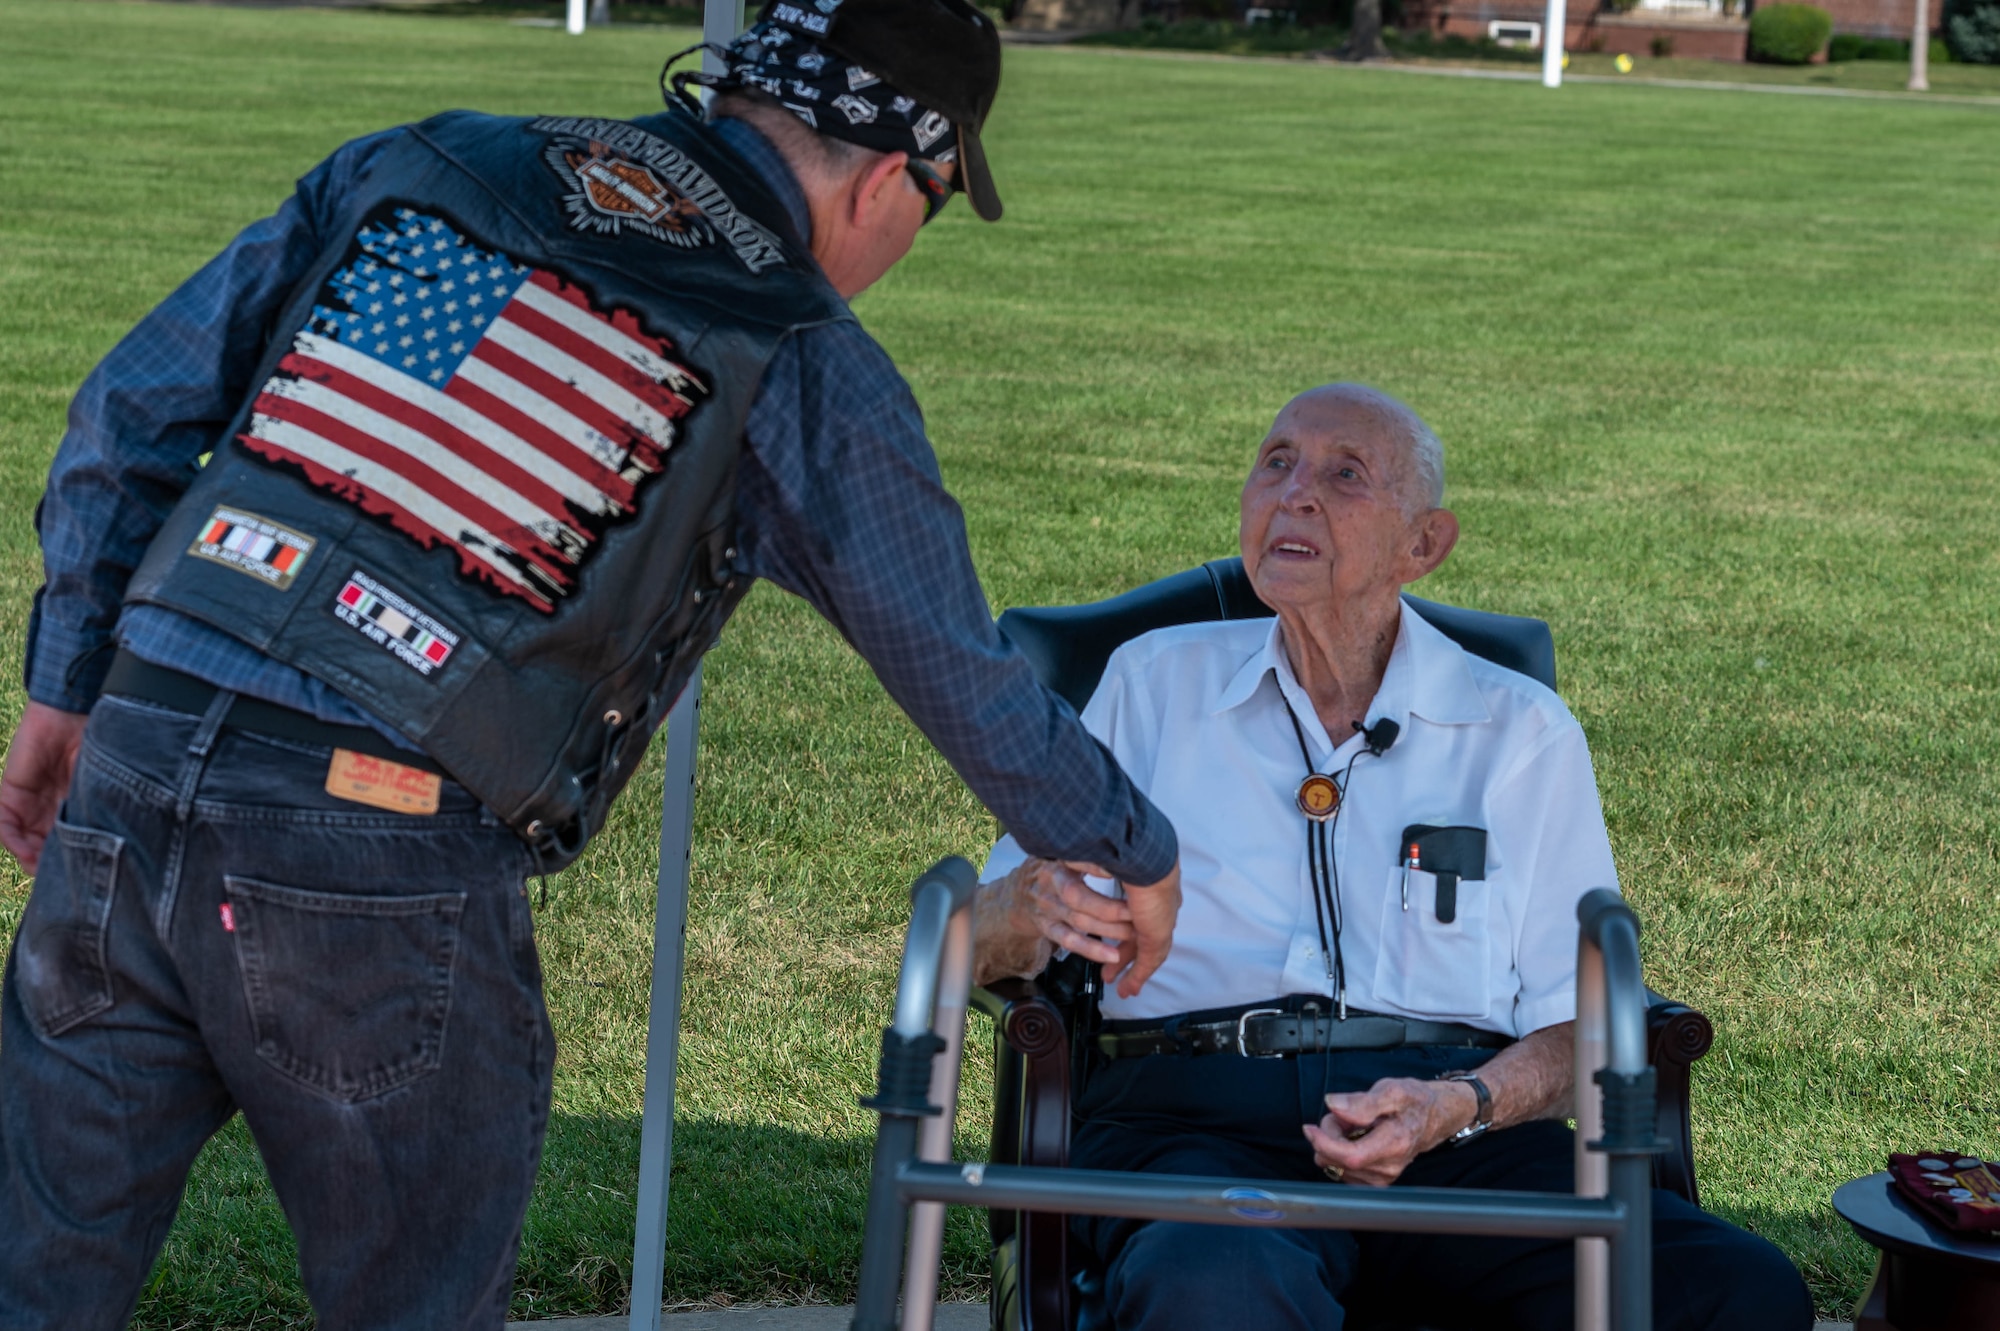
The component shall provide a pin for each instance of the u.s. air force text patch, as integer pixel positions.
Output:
(253, 545)
(619, 178)
(392, 623)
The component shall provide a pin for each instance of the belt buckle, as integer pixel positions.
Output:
(1242, 1041)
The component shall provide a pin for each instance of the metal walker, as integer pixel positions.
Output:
(914, 1178)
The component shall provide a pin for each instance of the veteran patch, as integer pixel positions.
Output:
(253, 545)
(392, 623)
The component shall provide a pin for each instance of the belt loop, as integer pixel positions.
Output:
(211, 721)
(1171, 1028)
(199, 747)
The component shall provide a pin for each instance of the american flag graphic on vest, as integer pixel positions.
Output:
(474, 402)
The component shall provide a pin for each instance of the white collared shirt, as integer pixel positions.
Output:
(1196, 714)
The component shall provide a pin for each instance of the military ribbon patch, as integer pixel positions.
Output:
(253, 545)
(412, 636)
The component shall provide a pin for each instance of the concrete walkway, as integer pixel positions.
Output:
(950, 1317)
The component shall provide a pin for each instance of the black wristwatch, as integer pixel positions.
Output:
(1483, 1118)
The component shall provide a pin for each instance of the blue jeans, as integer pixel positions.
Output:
(212, 932)
(1240, 1117)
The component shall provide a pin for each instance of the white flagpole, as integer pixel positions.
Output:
(1554, 24)
(1920, 49)
(721, 21)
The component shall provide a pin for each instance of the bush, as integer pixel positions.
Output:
(1663, 46)
(1422, 44)
(1972, 30)
(1849, 46)
(1217, 35)
(1789, 34)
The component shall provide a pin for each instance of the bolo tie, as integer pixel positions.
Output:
(1319, 799)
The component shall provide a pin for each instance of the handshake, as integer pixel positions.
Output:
(1020, 920)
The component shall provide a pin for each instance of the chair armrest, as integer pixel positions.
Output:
(1031, 1064)
(1031, 1120)
(1676, 1035)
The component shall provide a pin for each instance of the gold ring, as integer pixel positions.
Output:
(1334, 1172)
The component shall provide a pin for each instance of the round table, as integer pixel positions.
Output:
(1929, 1278)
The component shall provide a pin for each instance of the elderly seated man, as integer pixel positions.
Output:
(1297, 758)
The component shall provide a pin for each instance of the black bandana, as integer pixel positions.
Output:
(827, 91)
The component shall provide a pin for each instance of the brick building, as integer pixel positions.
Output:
(1698, 29)
(1703, 29)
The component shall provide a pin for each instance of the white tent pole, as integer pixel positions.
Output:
(1554, 25)
(663, 1022)
(721, 21)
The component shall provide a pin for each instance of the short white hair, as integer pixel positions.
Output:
(1426, 462)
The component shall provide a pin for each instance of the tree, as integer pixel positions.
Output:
(1972, 30)
(1364, 38)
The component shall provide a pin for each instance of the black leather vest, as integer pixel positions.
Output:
(485, 488)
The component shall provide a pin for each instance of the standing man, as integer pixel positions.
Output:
(501, 418)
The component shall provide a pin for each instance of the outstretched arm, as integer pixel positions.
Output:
(841, 502)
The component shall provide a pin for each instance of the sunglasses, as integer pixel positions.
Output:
(936, 189)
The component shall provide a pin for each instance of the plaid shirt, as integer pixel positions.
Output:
(840, 501)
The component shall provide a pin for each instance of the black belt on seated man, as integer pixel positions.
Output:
(1269, 1032)
(131, 677)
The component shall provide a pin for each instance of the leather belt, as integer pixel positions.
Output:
(131, 677)
(1276, 1033)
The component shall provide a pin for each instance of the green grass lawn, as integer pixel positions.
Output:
(1719, 381)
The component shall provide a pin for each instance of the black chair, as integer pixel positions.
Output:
(1041, 1281)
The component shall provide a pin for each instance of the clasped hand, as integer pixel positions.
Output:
(1371, 1136)
(1042, 905)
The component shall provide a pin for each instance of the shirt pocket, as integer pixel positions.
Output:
(1430, 969)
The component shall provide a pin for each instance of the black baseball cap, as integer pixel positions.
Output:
(943, 53)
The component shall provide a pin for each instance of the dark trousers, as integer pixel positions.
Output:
(212, 932)
(1237, 1117)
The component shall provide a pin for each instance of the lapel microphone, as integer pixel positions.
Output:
(1379, 737)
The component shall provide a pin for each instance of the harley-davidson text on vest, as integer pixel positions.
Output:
(484, 485)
